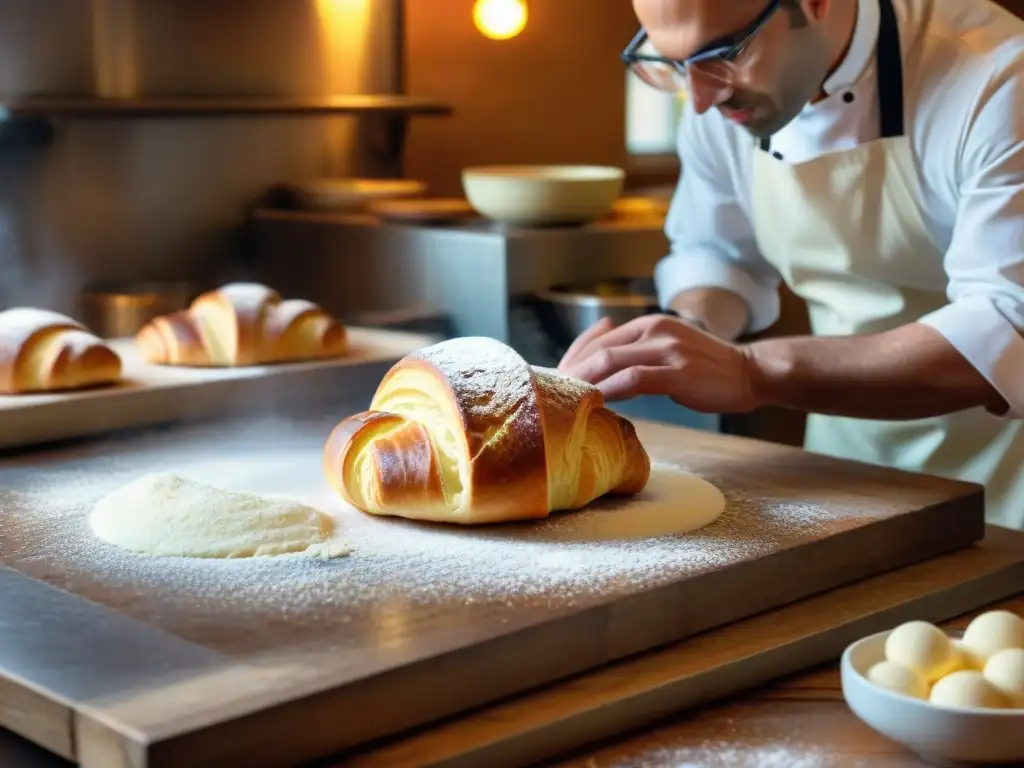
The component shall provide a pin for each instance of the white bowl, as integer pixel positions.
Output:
(543, 194)
(941, 735)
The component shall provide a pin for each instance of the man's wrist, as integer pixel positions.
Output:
(770, 370)
(719, 311)
(689, 319)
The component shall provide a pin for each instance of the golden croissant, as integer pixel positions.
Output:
(466, 431)
(242, 324)
(44, 351)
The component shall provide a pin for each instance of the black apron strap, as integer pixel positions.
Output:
(890, 76)
(890, 72)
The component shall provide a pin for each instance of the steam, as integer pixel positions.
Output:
(15, 276)
(33, 276)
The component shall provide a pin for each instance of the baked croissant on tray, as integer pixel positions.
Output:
(466, 431)
(44, 351)
(241, 324)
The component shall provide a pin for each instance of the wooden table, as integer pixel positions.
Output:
(214, 664)
(801, 722)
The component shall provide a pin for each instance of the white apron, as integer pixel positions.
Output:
(847, 234)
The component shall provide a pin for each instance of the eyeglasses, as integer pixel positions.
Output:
(720, 60)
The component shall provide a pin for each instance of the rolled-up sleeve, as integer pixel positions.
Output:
(711, 236)
(984, 320)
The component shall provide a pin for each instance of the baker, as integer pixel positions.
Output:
(870, 154)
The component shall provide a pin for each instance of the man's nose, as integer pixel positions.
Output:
(706, 92)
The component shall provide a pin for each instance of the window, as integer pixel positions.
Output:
(652, 118)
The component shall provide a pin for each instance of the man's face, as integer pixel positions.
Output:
(779, 73)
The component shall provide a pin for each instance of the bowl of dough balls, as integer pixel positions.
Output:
(954, 699)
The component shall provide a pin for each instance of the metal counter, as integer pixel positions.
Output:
(475, 274)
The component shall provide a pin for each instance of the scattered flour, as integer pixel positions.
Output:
(784, 734)
(725, 755)
(394, 567)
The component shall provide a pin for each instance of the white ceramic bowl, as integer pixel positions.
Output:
(941, 735)
(542, 194)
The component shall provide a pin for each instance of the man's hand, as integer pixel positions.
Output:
(910, 372)
(660, 355)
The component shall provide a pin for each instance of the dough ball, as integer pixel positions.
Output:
(993, 631)
(164, 514)
(923, 647)
(1005, 670)
(898, 678)
(966, 657)
(967, 688)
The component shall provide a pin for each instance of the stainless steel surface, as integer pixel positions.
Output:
(475, 272)
(482, 277)
(115, 310)
(566, 311)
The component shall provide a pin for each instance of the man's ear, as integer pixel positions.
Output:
(817, 10)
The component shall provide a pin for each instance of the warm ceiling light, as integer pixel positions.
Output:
(500, 19)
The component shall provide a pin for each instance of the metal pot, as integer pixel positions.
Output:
(116, 310)
(566, 311)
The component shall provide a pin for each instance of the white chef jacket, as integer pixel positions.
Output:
(964, 93)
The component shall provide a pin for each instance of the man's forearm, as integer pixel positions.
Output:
(907, 373)
(722, 312)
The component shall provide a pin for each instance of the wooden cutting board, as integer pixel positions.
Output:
(151, 394)
(262, 661)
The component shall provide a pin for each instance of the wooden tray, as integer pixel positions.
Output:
(259, 662)
(158, 394)
(638, 692)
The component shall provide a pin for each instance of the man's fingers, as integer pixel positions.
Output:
(608, 361)
(589, 344)
(602, 326)
(629, 332)
(638, 380)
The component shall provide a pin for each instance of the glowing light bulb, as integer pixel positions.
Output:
(500, 19)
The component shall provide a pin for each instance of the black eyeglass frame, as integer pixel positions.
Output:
(725, 48)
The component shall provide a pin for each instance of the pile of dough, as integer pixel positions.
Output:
(164, 514)
(983, 669)
(466, 431)
(44, 351)
(242, 324)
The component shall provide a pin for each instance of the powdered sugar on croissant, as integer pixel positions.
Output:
(466, 431)
(242, 324)
(44, 351)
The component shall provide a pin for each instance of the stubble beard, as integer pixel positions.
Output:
(798, 85)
